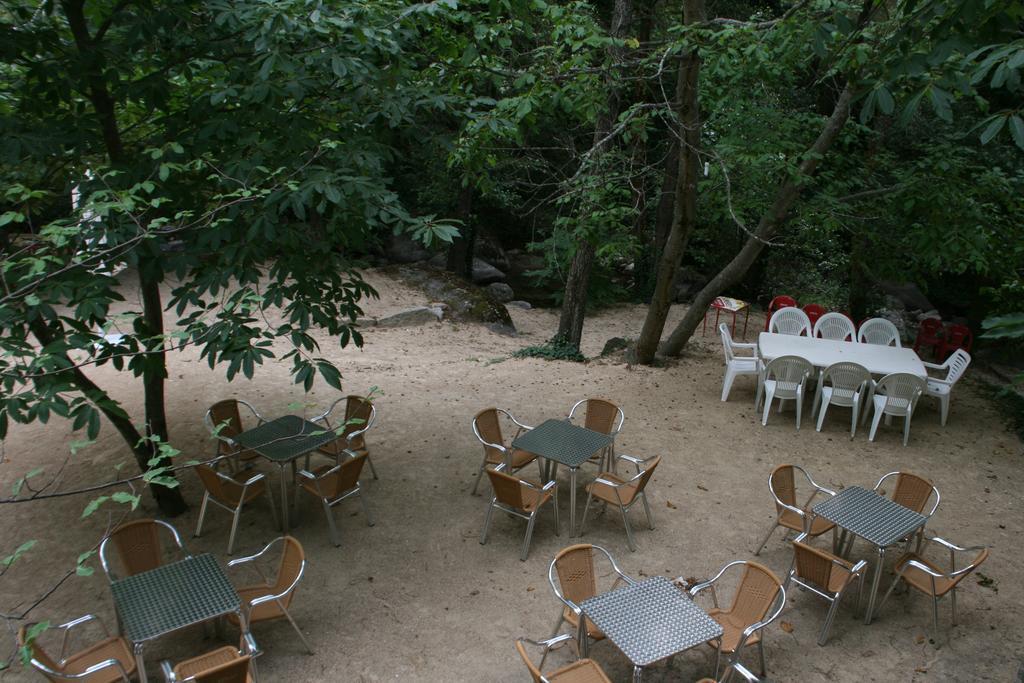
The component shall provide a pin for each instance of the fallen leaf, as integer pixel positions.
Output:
(786, 626)
(921, 670)
(701, 487)
(670, 504)
(920, 639)
(530, 589)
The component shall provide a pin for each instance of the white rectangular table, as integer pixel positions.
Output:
(821, 353)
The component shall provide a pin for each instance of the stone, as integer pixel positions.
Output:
(484, 273)
(501, 291)
(908, 295)
(465, 301)
(614, 344)
(525, 305)
(421, 315)
(403, 249)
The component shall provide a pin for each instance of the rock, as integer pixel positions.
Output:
(614, 344)
(932, 314)
(501, 291)
(908, 295)
(505, 330)
(404, 249)
(484, 273)
(421, 315)
(465, 301)
(525, 305)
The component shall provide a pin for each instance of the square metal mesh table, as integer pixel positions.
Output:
(563, 442)
(865, 513)
(286, 438)
(651, 620)
(173, 596)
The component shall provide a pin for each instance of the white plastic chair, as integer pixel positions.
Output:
(896, 395)
(835, 326)
(790, 321)
(784, 378)
(954, 367)
(736, 365)
(879, 331)
(842, 384)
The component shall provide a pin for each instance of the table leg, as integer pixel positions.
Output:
(745, 321)
(284, 500)
(572, 501)
(140, 663)
(734, 324)
(877, 579)
(582, 642)
(638, 674)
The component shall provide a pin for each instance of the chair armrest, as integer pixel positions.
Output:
(81, 620)
(745, 345)
(609, 483)
(953, 546)
(757, 626)
(549, 643)
(550, 485)
(234, 482)
(518, 423)
(168, 672)
(277, 596)
(255, 412)
(250, 558)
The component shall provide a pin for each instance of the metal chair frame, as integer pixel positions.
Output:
(505, 450)
(576, 609)
(250, 651)
(802, 513)
(328, 503)
(103, 546)
(953, 574)
(572, 670)
(641, 494)
(89, 671)
(857, 570)
(530, 517)
(349, 438)
(236, 512)
(276, 597)
(734, 659)
(609, 452)
(233, 447)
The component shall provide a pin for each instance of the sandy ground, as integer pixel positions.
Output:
(416, 597)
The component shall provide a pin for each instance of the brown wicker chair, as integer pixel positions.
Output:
(604, 417)
(928, 578)
(758, 601)
(231, 493)
(610, 488)
(577, 581)
(487, 429)
(106, 661)
(138, 547)
(360, 416)
(224, 421)
(223, 665)
(520, 498)
(333, 485)
(271, 599)
(911, 492)
(788, 513)
(826, 575)
(580, 671)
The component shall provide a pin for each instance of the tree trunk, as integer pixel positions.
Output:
(769, 224)
(460, 253)
(570, 325)
(169, 499)
(684, 217)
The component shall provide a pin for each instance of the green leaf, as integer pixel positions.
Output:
(94, 505)
(16, 488)
(992, 129)
(80, 568)
(31, 633)
(1017, 130)
(125, 497)
(885, 101)
(13, 557)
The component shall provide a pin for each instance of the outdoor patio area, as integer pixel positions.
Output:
(416, 597)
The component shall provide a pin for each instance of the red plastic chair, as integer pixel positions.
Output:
(781, 301)
(814, 311)
(930, 334)
(957, 337)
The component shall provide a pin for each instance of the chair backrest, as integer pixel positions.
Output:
(912, 491)
(930, 328)
(488, 427)
(788, 369)
(978, 560)
(959, 337)
(345, 478)
(234, 671)
(723, 331)
(846, 375)
(812, 564)
(211, 481)
(781, 301)
(646, 475)
(601, 415)
(790, 321)
(288, 571)
(755, 595)
(576, 577)
(957, 364)
(814, 311)
(39, 655)
(360, 409)
(226, 413)
(782, 485)
(878, 331)
(138, 546)
(901, 390)
(507, 488)
(835, 326)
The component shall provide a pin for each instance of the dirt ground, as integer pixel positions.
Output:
(417, 598)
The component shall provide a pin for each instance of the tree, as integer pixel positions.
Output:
(236, 147)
